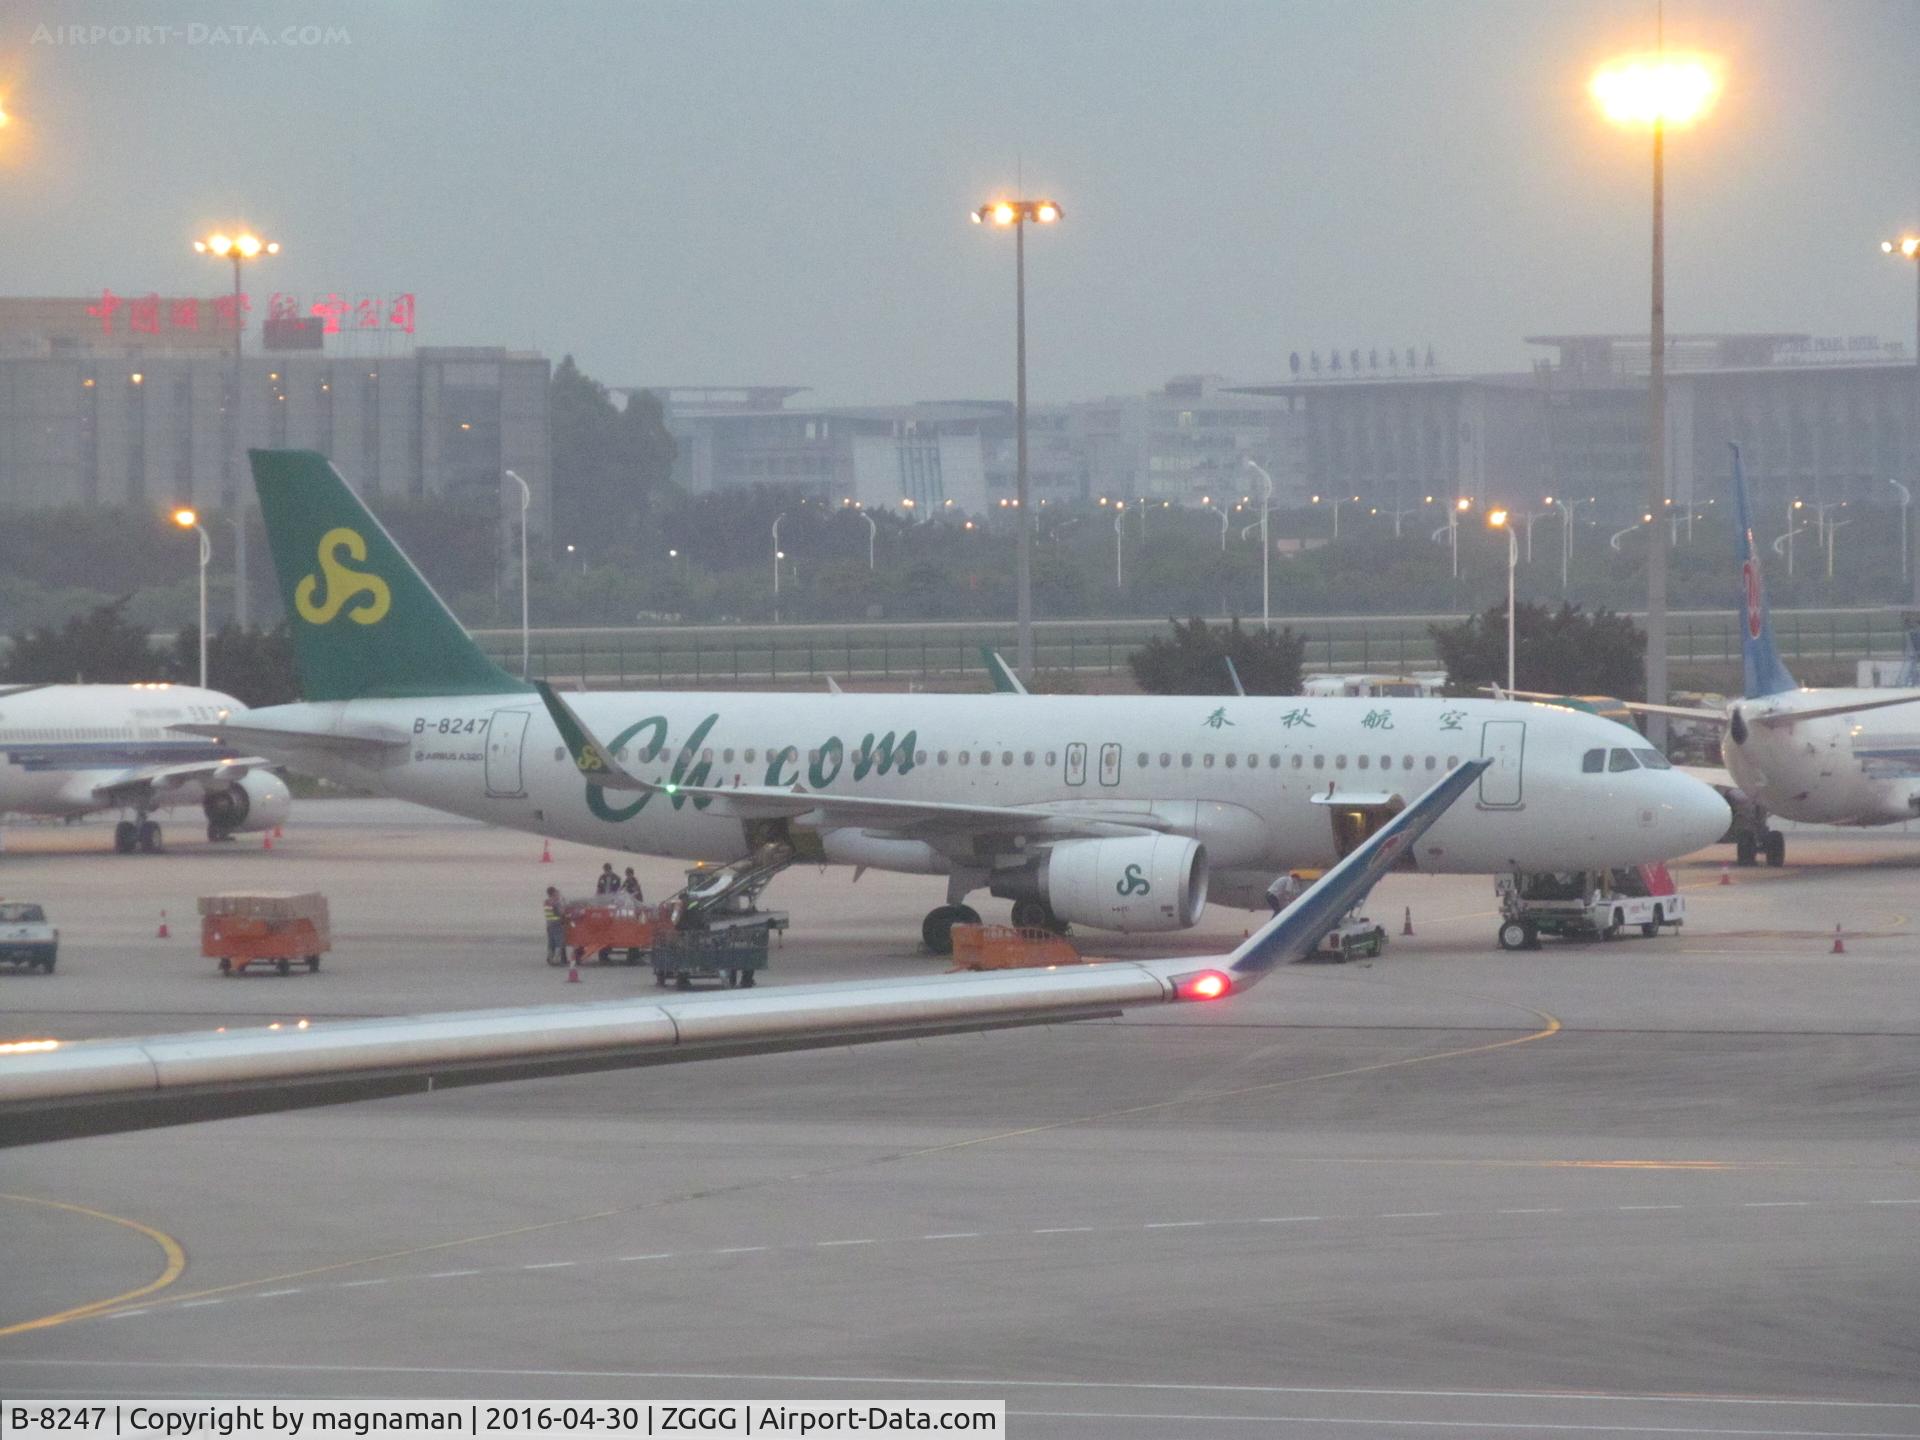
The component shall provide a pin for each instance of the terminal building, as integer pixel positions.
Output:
(1817, 420)
(97, 411)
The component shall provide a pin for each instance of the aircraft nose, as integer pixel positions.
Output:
(1700, 815)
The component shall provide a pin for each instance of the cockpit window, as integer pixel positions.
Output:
(1622, 760)
(1593, 762)
(1653, 760)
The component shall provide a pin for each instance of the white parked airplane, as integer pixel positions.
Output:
(56, 1090)
(1116, 813)
(73, 750)
(1823, 756)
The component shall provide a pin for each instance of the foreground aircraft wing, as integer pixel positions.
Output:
(155, 781)
(53, 1089)
(907, 818)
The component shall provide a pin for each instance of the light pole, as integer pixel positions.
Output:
(1613, 540)
(1460, 507)
(1206, 503)
(1906, 504)
(1567, 510)
(1019, 214)
(1336, 501)
(239, 249)
(1500, 520)
(1831, 528)
(188, 519)
(1410, 510)
(526, 504)
(1119, 541)
(1266, 549)
(873, 534)
(778, 556)
(1792, 530)
(1908, 248)
(1657, 91)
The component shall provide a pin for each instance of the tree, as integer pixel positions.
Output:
(608, 463)
(254, 666)
(1193, 661)
(100, 647)
(1565, 651)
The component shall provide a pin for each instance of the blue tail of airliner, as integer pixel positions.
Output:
(1765, 673)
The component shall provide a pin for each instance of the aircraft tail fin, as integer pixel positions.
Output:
(1005, 681)
(366, 624)
(1765, 674)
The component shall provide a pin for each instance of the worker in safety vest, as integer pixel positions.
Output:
(556, 928)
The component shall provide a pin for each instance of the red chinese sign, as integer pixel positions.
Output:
(147, 314)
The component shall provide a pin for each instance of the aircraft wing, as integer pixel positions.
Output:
(1783, 718)
(911, 819)
(54, 1090)
(153, 782)
(1638, 707)
(368, 740)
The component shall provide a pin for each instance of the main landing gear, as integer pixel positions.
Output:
(1768, 843)
(1037, 915)
(143, 835)
(937, 929)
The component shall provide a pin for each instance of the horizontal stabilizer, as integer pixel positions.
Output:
(1779, 719)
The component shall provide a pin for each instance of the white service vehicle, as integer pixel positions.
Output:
(26, 938)
(1586, 904)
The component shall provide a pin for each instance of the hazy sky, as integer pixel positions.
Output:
(729, 193)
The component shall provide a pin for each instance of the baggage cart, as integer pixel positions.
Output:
(615, 933)
(1010, 947)
(244, 928)
(733, 955)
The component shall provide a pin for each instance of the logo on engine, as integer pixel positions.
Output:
(1133, 883)
(342, 584)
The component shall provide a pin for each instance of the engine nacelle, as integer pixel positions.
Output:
(258, 800)
(1148, 883)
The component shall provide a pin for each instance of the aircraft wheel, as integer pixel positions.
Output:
(148, 836)
(1744, 851)
(1513, 935)
(936, 931)
(313, 963)
(126, 836)
(1776, 849)
(1651, 927)
(1032, 915)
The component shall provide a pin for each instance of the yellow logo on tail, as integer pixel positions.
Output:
(343, 584)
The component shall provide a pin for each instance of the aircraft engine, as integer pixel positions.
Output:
(258, 800)
(1148, 883)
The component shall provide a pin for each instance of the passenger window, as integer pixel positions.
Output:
(1006, 757)
(1407, 764)
(1593, 762)
(727, 754)
(1165, 759)
(1452, 760)
(1141, 760)
(1232, 761)
(1365, 760)
(1206, 761)
(1186, 762)
(1386, 762)
(941, 758)
(1028, 758)
(1653, 759)
(749, 755)
(1339, 762)
(1253, 762)
(1431, 762)
(1319, 762)
(919, 757)
(966, 756)
(1050, 759)
(1619, 760)
(1298, 760)
(986, 757)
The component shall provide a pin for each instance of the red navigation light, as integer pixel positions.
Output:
(1206, 985)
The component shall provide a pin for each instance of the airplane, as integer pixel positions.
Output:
(60, 1090)
(1816, 755)
(1115, 813)
(72, 750)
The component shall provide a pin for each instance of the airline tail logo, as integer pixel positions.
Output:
(343, 585)
(587, 762)
(1750, 575)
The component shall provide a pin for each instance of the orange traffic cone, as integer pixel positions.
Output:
(546, 852)
(266, 841)
(1726, 875)
(573, 972)
(164, 932)
(1406, 925)
(279, 832)
(1839, 945)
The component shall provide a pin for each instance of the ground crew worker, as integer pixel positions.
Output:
(608, 883)
(631, 885)
(556, 928)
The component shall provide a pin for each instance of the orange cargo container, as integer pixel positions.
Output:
(240, 929)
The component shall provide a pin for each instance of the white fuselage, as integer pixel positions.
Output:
(60, 744)
(1860, 769)
(1240, 775)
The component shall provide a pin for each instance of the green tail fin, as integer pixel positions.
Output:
(365, 623)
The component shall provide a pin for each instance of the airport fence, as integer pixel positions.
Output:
(692, 655)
